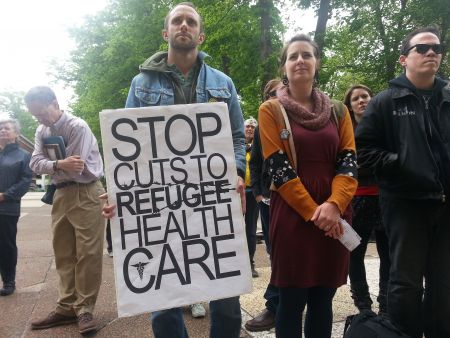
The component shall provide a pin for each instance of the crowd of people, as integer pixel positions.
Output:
(298, 167)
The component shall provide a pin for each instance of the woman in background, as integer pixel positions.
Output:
(251, 205)
(366, 218)
(260, 179)
(15, 179)
(308, 262)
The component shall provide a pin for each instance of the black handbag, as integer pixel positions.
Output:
(48, 196)
(368, 325)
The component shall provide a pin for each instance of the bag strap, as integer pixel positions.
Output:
(337, 112)
(290, 138)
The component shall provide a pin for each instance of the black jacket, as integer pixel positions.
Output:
(392, 140)
(259, 174)
(15, 178)
(366, 178)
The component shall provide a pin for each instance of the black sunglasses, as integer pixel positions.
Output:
(423, 48)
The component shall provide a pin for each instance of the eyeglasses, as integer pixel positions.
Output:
(423, 48)
(270, 95)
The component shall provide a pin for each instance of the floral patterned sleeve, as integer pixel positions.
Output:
(345, 181)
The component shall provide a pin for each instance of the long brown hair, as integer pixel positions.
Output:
(348, 96)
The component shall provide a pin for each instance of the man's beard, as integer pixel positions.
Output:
(183, 45)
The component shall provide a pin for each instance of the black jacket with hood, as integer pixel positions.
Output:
(399, 141)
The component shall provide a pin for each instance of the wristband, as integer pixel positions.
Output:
(55, 166)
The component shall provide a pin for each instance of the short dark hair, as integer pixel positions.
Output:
(186, 3)
(42, 94)
(300, 37)
(405, 45)
(349, 92)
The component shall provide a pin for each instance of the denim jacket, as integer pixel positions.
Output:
(151, 87)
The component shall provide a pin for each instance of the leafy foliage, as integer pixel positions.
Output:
(233, 30)
(12, 102)
(362, 44)
(112, 44)
(243, 39)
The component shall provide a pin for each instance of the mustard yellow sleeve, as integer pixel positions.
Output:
(292, 191)
(345, 182)
(248, 182)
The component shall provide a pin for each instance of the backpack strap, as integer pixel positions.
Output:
(337, 112)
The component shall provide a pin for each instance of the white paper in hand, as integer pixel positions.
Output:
(350, 239)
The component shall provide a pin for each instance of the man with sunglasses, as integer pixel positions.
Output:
(405, 138)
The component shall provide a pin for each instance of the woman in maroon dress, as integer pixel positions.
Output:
(313, 169)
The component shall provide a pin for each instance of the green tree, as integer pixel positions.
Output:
(109, 48)
(12, 103)
(362, 44)
(111, 45)
(243, 39)
(435, 12)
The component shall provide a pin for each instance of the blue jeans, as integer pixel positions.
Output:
(225, 317)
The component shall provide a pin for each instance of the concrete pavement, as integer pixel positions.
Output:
(37, 289)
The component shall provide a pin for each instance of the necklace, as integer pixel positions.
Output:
(426, 99)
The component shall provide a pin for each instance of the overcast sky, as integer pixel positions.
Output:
(32, 33)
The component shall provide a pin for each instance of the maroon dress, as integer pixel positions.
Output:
(302, 256)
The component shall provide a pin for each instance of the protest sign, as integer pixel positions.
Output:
(178, 234)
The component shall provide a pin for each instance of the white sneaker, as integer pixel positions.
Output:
(198, 310)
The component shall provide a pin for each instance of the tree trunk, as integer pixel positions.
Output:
(226, 64)
(265, 7)
(322, 18)
(390, 67)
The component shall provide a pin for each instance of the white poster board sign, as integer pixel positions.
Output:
(178, 233)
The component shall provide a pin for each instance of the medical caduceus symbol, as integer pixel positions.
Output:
(140, 268)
